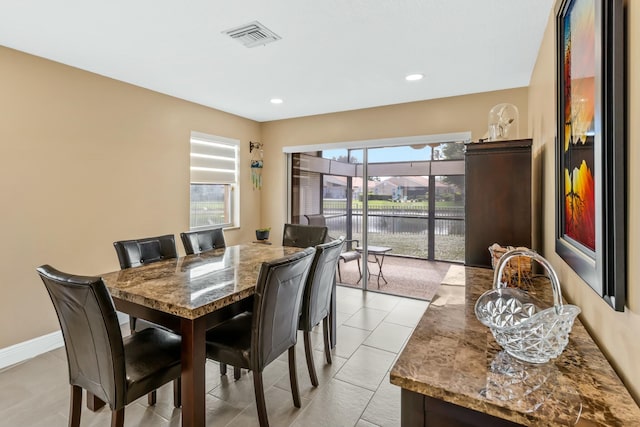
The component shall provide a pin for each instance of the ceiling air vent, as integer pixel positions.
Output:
(252, 34)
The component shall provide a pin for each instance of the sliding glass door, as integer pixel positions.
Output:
(395, 204)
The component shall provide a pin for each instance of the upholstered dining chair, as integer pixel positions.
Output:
(303, 236)
(138, 252)
(253, 340)
(115, 369)
(196, 242)
(316, 300)
(347, 255)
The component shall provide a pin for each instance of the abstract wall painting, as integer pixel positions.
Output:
(590, 163)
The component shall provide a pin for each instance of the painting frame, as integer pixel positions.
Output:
(590, 108)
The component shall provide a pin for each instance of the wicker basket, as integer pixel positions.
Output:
(519, 323)
(518, 271)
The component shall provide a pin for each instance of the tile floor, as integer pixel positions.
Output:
(353, 391)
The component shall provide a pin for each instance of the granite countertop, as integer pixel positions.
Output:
(452, 357)
(194, 285)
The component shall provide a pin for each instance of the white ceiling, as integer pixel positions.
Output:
(334, 55)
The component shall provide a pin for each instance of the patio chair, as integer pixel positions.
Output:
(347, 255)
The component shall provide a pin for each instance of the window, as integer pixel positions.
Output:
(214, 180)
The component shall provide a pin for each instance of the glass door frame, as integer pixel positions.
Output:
(365, 145)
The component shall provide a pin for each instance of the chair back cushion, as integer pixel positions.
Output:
(317, 219)
(196, 242)
(303, 236)
(91, 333)
(134, 253)
(276, 307)
(316, 300)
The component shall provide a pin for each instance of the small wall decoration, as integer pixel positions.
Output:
(590, 161)
(256, 164)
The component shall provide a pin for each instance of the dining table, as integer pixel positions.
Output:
(191, 294)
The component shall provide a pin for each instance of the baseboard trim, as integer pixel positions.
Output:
(28, 349)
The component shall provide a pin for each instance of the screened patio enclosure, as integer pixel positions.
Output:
(408, 198)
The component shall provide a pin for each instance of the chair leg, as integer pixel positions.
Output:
(75, 407)
(339, 274)
(236, 373)
(177, 392)
(308, 352)
(94, 403)
(117, 418)
(132, 324)
(223, 369)
(332, 319)
(258, 388)
(293, 376)
(151, 398)
(327, 349)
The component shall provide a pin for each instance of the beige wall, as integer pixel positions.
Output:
(616, 333)
(445, 115)
(84, 161)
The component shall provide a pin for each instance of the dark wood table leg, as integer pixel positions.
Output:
(193, 372)
(94, 403)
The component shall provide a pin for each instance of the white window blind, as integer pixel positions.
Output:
(213, 159)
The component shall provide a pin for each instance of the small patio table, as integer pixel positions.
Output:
(378, 253)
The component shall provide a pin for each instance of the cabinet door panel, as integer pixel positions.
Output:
(498, 198)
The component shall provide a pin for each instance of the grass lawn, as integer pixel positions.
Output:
(447, 248)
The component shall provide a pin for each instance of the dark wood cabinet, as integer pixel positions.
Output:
(417, 410)
(498, 197)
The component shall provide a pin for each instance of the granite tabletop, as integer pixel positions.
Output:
(195, 285)
(452, 357)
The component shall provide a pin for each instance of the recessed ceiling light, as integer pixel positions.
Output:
(414, 77)
(276, 101)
